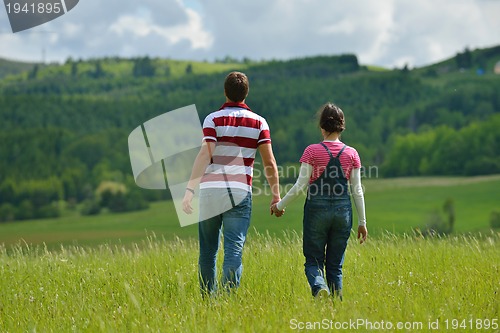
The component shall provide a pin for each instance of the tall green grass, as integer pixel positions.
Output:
(153, 287)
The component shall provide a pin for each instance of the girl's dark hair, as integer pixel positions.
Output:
(331, 118)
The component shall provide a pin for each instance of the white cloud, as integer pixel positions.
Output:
(386, 32)
(389, 33)
(114, 27)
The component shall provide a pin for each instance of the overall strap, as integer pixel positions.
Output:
(341, 151)
(330, 153)
(328, 150)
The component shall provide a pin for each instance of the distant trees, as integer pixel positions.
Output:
(30, 199)
(439, 224)
(74, 132)
(52, 166)
(98, 71)
(471, 150)
(74, 69)
(495, 219)
(33, 74)
(464, 59)
(143, 67)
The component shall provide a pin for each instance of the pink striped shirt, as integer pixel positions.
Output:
(237, 132)
(317, 156)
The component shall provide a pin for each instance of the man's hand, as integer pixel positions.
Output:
(276, 211)
(186, 202)
(274, 201)
(362, 234)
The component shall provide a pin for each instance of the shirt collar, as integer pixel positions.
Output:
(233, 105)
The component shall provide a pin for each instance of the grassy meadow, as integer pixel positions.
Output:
(391, 282)
(137, 272)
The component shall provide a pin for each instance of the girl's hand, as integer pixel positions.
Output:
(276, 211)
(362, 234)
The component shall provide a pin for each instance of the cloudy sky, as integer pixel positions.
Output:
(387, 33)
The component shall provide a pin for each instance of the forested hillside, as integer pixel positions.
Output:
(8, 67)
(64, 128)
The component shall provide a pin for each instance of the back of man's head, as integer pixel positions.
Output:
(236, 86)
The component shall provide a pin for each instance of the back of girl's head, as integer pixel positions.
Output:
(331, 118)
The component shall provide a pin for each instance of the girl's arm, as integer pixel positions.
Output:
(357, 195)
(298, 187)
(359, 202)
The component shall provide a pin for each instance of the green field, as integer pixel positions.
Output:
(418, 284)
(131, 273)
(394, 205)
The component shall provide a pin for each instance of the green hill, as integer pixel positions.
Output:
(9, 67)
(64, 127)
(484, 59)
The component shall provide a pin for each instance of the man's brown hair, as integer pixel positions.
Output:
(236, 86)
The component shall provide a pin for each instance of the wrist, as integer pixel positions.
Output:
(190, 190)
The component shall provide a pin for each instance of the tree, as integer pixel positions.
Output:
(98, 71)
(167, 71)
(7, 212)
(33, 74)
(74, 69)
(143, 67)
(464, 60)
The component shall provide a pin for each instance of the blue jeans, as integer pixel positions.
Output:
(327, 226)
(234, 224)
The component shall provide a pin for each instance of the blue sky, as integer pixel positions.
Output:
(387, 33)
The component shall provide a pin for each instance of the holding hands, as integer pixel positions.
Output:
(275, 211)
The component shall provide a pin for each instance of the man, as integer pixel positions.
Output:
(224, 169)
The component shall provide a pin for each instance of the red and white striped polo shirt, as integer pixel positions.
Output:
(317, 156)
(237, 132)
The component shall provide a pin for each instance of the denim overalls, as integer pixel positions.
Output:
(327, 224)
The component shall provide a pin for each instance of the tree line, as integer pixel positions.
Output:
(65, 139)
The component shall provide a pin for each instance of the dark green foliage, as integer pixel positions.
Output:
(90, 207)
(441, 222)
(33, 74)
(98, 71)
(8, 67)
(471, 150)
(495, 220)
(123, 202)
(74, 69)
(464, 60)
(7, 212)
(143, 67)
(71, 123)
(35, 198)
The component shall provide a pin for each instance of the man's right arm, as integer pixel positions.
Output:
(199, 167)
(270, 170)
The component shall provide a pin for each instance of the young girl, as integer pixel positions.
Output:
(326, 169)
